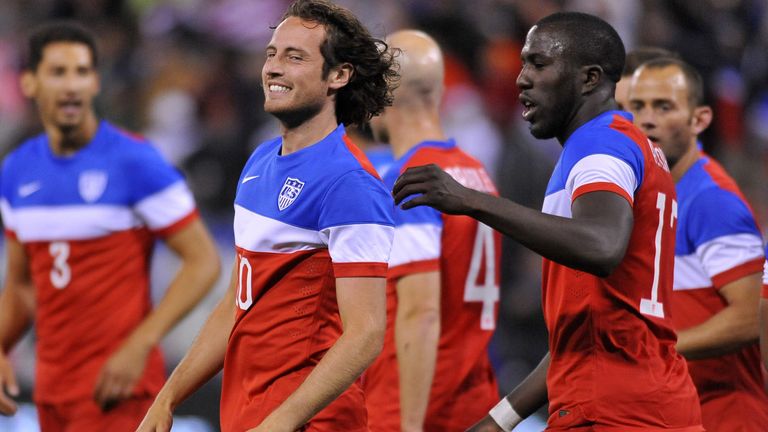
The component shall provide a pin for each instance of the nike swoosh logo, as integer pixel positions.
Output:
(248, 178)
(29, 188)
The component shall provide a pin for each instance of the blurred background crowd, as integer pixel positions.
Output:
(186, 74)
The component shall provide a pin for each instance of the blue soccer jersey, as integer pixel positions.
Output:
(607, 331)
(718, 242)
(86, 222)
(301, 221)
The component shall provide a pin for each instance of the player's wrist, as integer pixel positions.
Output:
(505, 415)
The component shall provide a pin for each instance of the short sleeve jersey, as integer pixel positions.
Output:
(87, 223)
(467, 255)
(301, 220)
(613, 362)
(718, 242)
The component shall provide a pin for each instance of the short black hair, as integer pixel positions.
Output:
(640, 55)
(58, 31)
(589, 40)
(693, 79)
(375, 74)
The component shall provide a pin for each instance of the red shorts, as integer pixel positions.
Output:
(454, 412)
(734, 412)
(347, 413)
(86, 416)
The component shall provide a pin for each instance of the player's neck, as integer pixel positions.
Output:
(412, 128)
(586, 110)
(309, 132)
(685, 162)
(67, 141)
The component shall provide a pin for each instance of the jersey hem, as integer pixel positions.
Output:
(410, 268)
(178, 225)
(602, 186)
(357, 269)
(738, 272)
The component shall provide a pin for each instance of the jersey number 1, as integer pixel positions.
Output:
(488, 292)
(652, 306)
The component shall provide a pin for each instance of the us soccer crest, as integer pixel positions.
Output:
(289, 192)
(92, 184)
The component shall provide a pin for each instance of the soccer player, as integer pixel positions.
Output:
(82, 204)
(443, 284)
(606, 233)
(718, 255)
(306, 310)
(634, 59)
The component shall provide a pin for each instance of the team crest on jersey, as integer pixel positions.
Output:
(289, 192)
(92, 184)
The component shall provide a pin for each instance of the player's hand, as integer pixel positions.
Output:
(8, 387)
(159, 418)
(120, 374)
(486, 424)
(437, 189)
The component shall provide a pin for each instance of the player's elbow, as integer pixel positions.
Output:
(606, 258)
(368, 337)
(420, 316)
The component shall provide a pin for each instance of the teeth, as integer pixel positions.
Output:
(278, 88)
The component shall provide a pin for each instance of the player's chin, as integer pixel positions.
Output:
(68, 123)
(540, 131)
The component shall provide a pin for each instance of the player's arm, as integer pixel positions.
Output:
(204, 359)
(417, 333)
(524, 400)
(198, 271)
(17, 308)
(362, 307)
(594, 240)
(730, 329)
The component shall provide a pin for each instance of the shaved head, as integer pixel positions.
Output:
(421, 68)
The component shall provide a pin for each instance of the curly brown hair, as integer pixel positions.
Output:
(375, 74)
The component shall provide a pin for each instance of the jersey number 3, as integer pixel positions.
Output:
(61, 273)
(653, 306)
(487, 292)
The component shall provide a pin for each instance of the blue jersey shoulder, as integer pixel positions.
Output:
(593, 138)
(707, 211)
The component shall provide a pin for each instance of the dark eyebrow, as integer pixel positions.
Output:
(289, 49)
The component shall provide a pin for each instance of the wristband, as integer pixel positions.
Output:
(504, 415)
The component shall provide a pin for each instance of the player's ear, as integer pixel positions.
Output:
(591, 77)
(701, 119)
(28, 84)
(340, 76)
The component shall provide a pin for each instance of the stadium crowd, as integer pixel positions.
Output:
(187, 75)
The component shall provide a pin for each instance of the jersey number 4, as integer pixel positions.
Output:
(61, 273)
(486, 292)
(652, 306)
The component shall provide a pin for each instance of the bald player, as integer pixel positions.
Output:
(634, 60)
(443, 275)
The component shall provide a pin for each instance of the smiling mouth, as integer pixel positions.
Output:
(276, 88)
